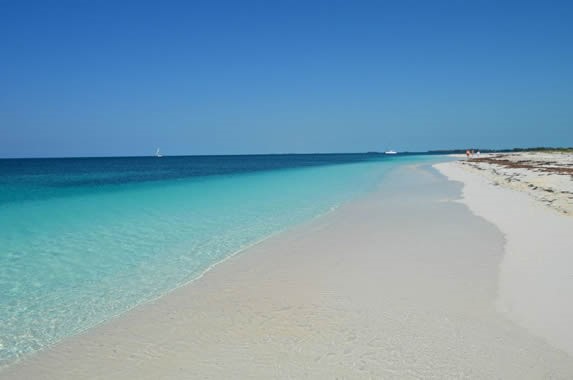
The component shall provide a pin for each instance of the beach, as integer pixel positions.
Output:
(528, 196)
(417, 279)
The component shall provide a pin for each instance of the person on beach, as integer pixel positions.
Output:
(468, 154)
(478, 153)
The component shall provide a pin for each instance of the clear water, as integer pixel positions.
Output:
(82, 240)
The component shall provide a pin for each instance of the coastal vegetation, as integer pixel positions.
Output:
(516, 150)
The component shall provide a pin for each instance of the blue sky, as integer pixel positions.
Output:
(91, 78)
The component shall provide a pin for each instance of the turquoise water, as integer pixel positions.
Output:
(82, 240)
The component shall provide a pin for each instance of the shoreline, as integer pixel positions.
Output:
(132, 246)
(347, 294)
(536, 279)
(182, 285)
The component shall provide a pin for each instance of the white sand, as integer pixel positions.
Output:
(536, 273)
(401, 284)
(545, 176)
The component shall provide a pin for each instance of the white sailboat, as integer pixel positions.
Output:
(157, 153)
(390, 152)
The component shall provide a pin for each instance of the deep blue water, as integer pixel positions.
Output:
(27, 179)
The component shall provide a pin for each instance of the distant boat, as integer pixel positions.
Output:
(157, 153)
(390, 152)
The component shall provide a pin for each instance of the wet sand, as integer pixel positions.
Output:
(402, 283)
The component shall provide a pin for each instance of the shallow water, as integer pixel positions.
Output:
(82, 240)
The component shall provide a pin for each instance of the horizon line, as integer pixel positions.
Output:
(432, 151)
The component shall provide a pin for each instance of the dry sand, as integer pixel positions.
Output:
(536, 273)
(399, 284)
(545, 176)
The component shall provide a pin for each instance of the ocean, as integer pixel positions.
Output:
(85, 239)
